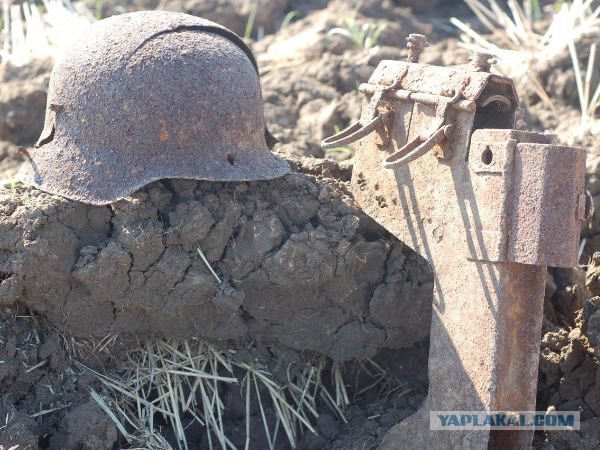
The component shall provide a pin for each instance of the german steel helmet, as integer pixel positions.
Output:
(151, 95)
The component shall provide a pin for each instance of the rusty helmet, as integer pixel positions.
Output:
(146, 96)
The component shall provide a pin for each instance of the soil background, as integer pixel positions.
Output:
(304, 272)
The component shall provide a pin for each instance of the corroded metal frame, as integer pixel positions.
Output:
(489, 207)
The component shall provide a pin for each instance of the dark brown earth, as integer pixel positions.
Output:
(299, 265)
(304, 270)
(328, 276)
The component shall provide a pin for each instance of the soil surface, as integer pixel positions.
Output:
(301, 269)
(297, 262)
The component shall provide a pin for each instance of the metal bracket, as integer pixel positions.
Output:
(486, 220)
(516, 182)
(585, 206)
(491, 165)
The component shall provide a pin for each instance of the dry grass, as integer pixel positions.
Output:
(527, 38)
(208, 266)
(37, 31)
(293, 402)
(180, 383)
(589, 97)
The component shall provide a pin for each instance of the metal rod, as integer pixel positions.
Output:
(419, 97)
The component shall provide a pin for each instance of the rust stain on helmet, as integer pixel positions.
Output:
(164, 133)
(135, 77)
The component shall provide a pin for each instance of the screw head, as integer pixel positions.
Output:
(482, 61)
(416, 43)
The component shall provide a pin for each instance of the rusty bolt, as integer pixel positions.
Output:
(482, 62)
(416, 43)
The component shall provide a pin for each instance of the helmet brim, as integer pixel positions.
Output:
(106, 176)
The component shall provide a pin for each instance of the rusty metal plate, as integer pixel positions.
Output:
(549, 181)
(468, 215)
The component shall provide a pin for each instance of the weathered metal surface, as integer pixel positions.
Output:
(441, 80)
(529, 191)
(482, 62)
(489, 207)
(151, 95)
(416, 43)
(418, 97)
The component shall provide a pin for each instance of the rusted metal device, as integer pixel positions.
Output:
(150, 95)
(439, 165)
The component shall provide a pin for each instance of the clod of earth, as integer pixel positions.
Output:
(298, 265)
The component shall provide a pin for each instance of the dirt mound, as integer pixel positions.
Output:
(299, 267)
(23, 101)
(294, 260)
(235, 14)
(310, 76)
(44, 396)
(302, 271)
(569, 373)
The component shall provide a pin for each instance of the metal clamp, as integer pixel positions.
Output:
(374, 112)
(425, 141)
(354, 132)
(417, 148)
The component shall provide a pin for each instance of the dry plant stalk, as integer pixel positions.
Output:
(516, 40)
(182, 383)
(589, 99)
(30, 32)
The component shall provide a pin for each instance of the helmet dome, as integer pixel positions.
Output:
(151, 95)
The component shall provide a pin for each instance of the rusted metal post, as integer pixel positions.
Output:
(489, 207)
(416, 43)
(482, 62)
